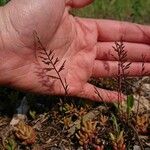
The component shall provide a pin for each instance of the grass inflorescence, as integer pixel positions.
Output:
(76, 123)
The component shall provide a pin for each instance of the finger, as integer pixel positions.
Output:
(135, 52)
(110, 68)
(110, 31)
(78, 3)
(98, 94)
(117, 31)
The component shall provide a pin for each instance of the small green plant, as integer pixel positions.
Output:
(115, 123)
(32, 114)
(130, 103)
(11, 144)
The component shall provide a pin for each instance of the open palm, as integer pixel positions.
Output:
(84, 44)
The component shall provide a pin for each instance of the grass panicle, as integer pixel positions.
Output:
(50, 60)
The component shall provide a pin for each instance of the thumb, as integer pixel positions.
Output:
(78, 3)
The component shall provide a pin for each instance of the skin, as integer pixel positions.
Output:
(85, 45)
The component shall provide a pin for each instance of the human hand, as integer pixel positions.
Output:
(85, 45)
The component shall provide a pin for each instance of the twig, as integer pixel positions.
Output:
(140, 84)
(136, 133)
